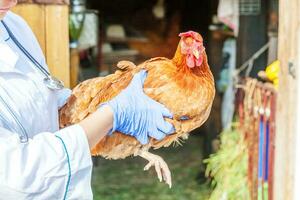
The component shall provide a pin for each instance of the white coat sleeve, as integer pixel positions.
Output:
(49, 166)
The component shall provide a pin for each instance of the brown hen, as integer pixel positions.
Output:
(184, 84)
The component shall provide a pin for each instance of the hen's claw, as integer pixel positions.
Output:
(161, 167)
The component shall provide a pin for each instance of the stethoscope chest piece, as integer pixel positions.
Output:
(53, 83)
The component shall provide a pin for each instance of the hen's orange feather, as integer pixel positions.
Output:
(185, 92)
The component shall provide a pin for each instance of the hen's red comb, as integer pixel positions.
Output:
(192, 34)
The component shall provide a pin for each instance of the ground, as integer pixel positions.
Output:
(126, 180)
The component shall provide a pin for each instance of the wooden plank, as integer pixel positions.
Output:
(74, 67)
(57, 41)
(287, 130)
(34, 16)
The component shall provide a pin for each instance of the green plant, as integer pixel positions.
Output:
(228, 167)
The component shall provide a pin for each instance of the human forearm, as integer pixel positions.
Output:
(97, 125)
(131, 112)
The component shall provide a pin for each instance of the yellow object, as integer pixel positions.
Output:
(276, 83)
(272, 71)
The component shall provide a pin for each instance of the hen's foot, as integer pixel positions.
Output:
(161, 167)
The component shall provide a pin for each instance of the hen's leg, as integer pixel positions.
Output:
(161, 167)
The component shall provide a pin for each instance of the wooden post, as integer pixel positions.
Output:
(50, 25)
(287, 149)
(57, 41)
(74, 67)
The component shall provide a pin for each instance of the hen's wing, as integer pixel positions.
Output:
(86, 98)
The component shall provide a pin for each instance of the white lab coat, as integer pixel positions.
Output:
(54, 162)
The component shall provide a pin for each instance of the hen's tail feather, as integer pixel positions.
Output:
(126, 65)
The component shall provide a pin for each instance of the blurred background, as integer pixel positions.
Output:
(241, 40)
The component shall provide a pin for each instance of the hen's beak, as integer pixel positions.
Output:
(196, 53)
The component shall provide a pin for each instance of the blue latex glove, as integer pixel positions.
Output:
(138, 115)
(63, 95)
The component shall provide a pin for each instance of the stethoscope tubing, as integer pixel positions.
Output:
(23, 49)
(24, 135)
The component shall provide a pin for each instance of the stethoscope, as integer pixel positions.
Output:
(50, 81)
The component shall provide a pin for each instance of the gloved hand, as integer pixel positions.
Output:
(63, 96)
(138, 115)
